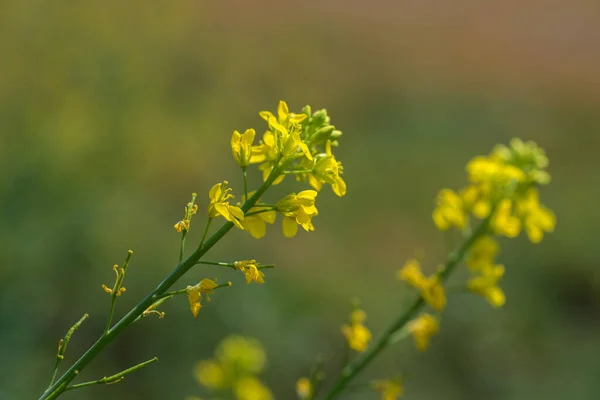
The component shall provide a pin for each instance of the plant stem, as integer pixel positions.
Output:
(62, 347)
(182, 247)
(232, 265)
(266, 209)
(349, 372)
(61, 385)
(245, 182)
(205, 232)
(113, 378)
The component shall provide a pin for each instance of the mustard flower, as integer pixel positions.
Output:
(328, 170)
(527, 156)
(250, 270)
(537, 219)
(210, 373)
(298, 209)
(430, 288)
(357, 334)
(293, 145)
(484, 169)
(251, 388)
(285, 119)
(188, 212)
(389, 389)
(303, 388)
(422, 329)
(476, 201)
(504, 222)
(486, 285)
(256, 224)
(449, 211)
(482, 253)
(194, 293)
(219, 194)
(244, 355)
(241, 147)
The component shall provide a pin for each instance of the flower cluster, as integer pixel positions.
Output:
(235, 368)
(507, 182)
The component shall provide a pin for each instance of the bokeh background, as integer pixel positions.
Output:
(112, 113)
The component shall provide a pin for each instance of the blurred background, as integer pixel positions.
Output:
(112, 113)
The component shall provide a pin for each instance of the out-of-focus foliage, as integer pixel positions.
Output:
(112, 112)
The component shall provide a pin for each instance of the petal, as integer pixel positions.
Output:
(282, 110)
(290, 228)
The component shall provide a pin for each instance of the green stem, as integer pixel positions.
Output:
(205, 233)
(113, 378)
(62, 347)
(245, 182)
(232, 265)
(61, 385)
(384, 340)
(270, 208)
(184, 291)
(298, 171)
(182, 247)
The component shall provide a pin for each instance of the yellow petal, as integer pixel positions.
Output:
(290, 228)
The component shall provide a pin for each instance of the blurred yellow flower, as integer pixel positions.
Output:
(537, 219)
(303, 388)
(504, 222)
(250, 270)
(210, 374)
(449, 211)
(486, 285)
(357, 335)
(194, 293)
(482, 253)
(389, 389)
(244, 355)
(430, 287)
(422, 329)
(250, 388)
(219, 194)
(241, 146)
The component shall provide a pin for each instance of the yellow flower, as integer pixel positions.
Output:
(219, 194)
(503, 222)
(241, 354)
(486, 285)
(298, 209)
(188, 212)
(482, 253)
(449, 211)
(430, 287)
(241, 147)
(357, 335)
(250, 269)
(303, 388)
(389, 389)
(250, 388)
(485, 169)
(328, 170)
(292, 145)
(210, 374)
(537, 219)
(285, 118)
(423, 328)
(256, 224)
(527, 156)
(205, 286)
(476, 201)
